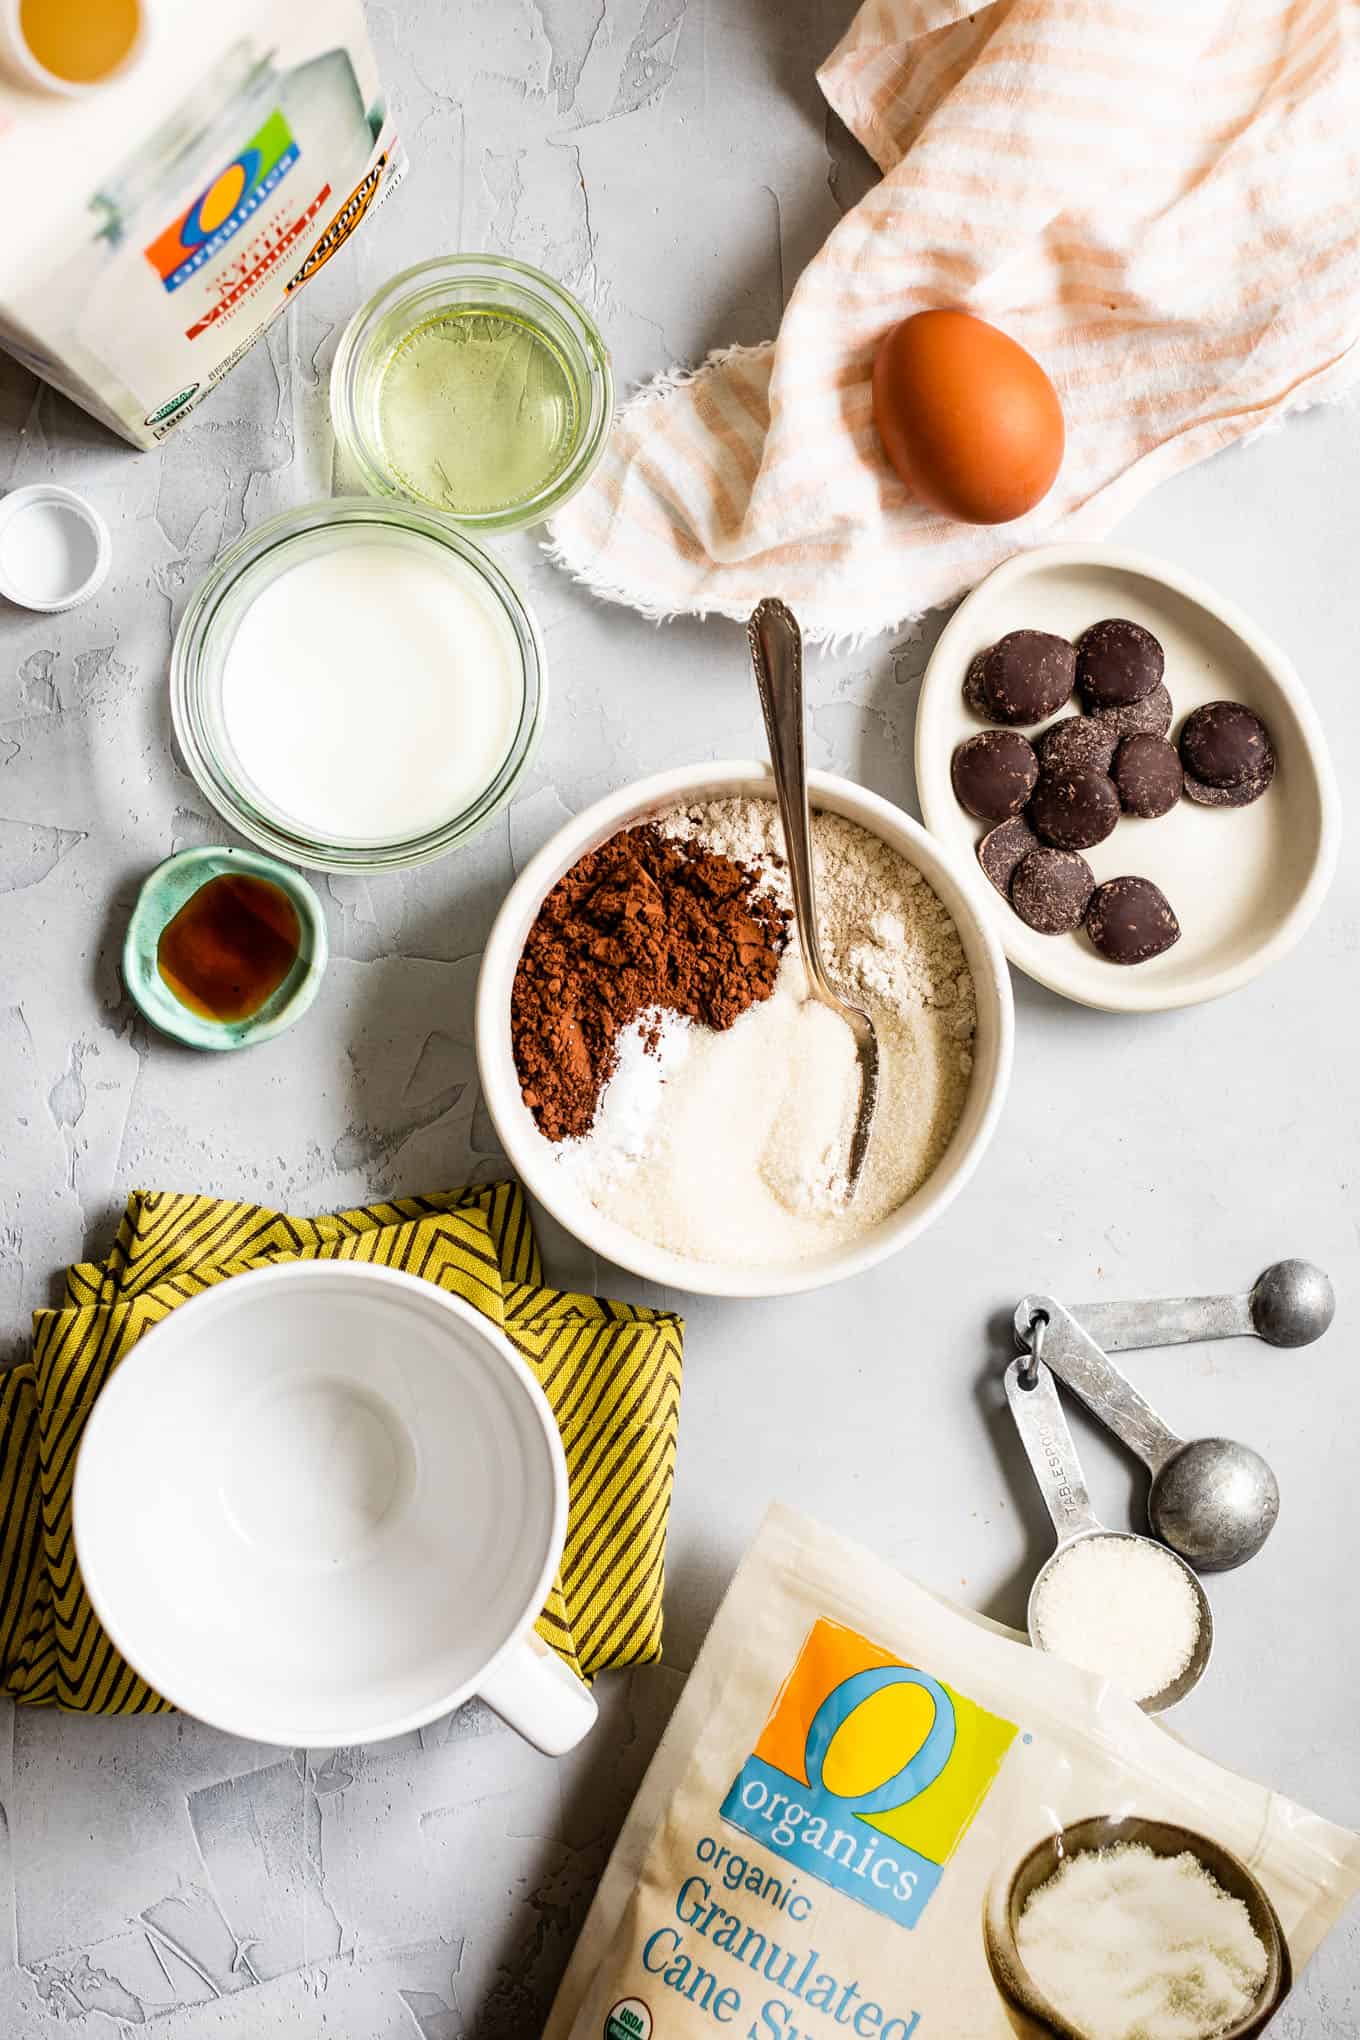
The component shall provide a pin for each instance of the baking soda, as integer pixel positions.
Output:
(1131, 1945)
(649, 1053)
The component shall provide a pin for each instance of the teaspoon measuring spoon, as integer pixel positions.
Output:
(1052, 1455)
(1291, 1304)
(777, 660)
(1212, 1500)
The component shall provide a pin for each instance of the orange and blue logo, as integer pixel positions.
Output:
(223, 207)
(868, 1773)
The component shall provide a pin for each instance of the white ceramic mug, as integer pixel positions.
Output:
(323, 1503)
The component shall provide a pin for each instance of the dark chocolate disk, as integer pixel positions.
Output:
(1050, 890)
(1118, 662)
(994, 774)
(1130, 920)
(1223, 743)
(1073, 810)
(1147, 775)
(1027, 676)
(1150, 716)
(973, 696)
(1001, 850)
(1079, 743)
(1241, 795)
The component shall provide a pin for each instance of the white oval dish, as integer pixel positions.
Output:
(1244, 882)
(322, 1503)
(532, 1156)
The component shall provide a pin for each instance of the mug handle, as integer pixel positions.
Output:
(535, 1693)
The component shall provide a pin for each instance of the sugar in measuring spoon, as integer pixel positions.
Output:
(1159, 1647)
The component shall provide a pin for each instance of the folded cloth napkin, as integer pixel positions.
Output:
(611, 1372)
(1155, 197)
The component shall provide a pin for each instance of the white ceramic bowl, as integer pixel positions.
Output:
(532, 1156)
(1244, 882)
(320, 1504)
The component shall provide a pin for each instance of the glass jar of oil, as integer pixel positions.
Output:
(477, 385)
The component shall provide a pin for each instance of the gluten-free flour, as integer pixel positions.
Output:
(837, 1838)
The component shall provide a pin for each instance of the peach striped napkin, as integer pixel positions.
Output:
(1156, 197)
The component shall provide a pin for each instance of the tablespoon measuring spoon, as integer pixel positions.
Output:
(1291, 1304)
(1212, 1500)
(1038, 1413)
(777, 660)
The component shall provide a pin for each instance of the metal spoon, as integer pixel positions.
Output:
(1291, 1304)
(1039, 1419)
(1212, 1500)
(777, 659)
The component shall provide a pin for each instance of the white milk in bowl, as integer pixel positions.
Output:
(357, 686)
(371, 692)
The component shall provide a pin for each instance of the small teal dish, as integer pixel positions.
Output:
(161, 898)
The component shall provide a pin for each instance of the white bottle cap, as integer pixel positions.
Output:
(54, 547)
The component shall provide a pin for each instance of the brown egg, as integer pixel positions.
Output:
(968, 419)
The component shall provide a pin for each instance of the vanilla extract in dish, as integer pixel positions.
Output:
(230, 946)
(372, 691)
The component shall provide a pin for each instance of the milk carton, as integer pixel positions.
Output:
(162, 214)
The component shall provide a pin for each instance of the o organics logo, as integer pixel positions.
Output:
(224, 206)
(867, 1773)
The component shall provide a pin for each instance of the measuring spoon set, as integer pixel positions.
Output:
(1213, 1502)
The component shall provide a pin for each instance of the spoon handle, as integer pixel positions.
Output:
(1110, 1396)
(777, 660)
(1172, 1321)
(1050, 1449)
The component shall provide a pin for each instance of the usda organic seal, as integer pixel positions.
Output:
(629, 2020)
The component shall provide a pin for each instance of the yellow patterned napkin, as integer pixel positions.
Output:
(611, 1372)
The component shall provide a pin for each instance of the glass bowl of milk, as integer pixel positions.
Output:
(357, 686)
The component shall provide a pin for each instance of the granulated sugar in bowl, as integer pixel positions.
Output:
(1125, 1940)
(692, 1129)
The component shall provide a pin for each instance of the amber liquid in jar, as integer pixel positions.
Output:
(82, 41)
(230, 946)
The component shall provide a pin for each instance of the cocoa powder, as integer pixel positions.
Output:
(641, 922)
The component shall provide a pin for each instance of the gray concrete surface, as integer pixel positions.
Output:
(676, 167)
